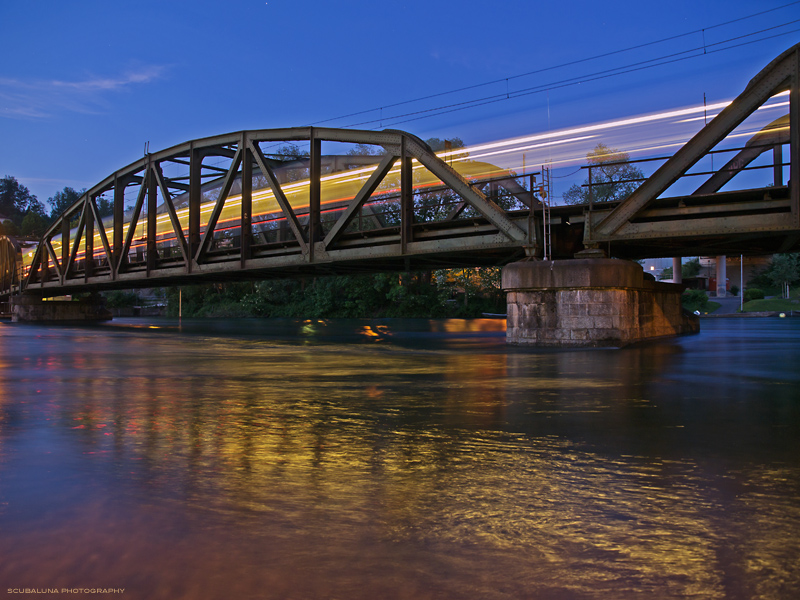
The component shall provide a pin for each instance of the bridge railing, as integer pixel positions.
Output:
(603, 188)
(642, 215)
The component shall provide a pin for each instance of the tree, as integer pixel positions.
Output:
(61, 201)
(691, 268)
(9, 228)
(16, 201)
(784, 271)
(33, 225)
(612, 177)
(438, 145)
(366, 150)
(105, 206)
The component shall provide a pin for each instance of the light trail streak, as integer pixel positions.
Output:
(665, 130)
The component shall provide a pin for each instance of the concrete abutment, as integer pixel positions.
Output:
(32, 309)
(590, 303)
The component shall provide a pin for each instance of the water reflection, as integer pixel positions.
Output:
(218, 461)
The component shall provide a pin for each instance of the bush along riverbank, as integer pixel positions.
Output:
(455, 293)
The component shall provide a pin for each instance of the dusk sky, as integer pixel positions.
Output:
(84, 85)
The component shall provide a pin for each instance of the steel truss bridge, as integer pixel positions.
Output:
(226, 208)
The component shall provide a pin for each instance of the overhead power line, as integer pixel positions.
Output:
(695, 52)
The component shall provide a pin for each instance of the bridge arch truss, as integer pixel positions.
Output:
(225, 208)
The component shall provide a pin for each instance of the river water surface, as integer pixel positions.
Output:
(397, 460)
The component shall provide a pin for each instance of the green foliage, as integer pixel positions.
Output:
(771, 305)
(457, 293)
(366, 150)
(210, 300)
(16, 201)
(753, 294)
(61, 201)
(121, 299)
(33, 225)
(735, 290)
(782, 272)
(690, 268)
(612, 177)
(695, 300)
(105, 206)
(9, 228)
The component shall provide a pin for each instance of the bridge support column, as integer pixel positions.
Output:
(722, 277)
(589, 303)
(677, 269)
(32, 309)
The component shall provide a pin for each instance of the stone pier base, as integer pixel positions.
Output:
(590, 302)
(34, 309)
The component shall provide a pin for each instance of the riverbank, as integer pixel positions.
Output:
(730, 307)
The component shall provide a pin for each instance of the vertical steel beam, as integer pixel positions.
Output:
(35, 268)
(794, 138)
(314, 193)
(5, 284)
(119, 225)
(79, 232)
(195, 193)
(44, 262)
(777, 167)
(406, 196)
(246, 222)
(64, 247)
(88, 244)
(152, 207)
(677, 269)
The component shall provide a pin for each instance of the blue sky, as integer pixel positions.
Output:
(84, 84)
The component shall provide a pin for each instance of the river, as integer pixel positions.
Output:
(394, 459)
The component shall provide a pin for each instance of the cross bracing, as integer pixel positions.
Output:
(234, 211)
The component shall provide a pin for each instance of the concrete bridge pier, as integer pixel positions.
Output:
(590, 302)
(33, 309)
